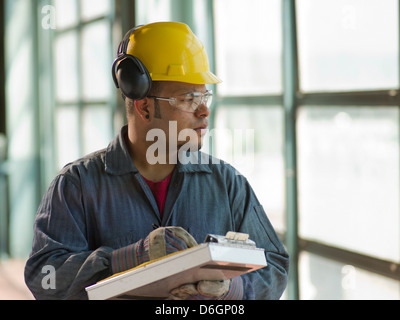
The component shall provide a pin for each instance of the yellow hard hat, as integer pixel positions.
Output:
(160, 51)
(171, 52)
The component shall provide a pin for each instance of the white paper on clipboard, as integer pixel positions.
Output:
(207, 261)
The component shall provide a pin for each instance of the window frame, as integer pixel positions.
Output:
(291, 99)
(81, 103)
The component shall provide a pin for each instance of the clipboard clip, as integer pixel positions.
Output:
(232, 239)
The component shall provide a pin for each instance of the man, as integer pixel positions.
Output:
(131, 203)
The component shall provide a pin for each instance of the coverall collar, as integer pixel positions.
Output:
(118, 160)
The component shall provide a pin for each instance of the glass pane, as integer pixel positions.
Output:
(66, 13)
(251, 139)
(67, 135)
(97, 131)
(324, 279)
(91, 9)
(248, 46)
(66, 67)
(348, 160)
(348, 44)
(148, 11)
(96, 61)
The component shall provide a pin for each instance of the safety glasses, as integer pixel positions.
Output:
(189, 102)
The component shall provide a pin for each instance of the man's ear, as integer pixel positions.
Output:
(142, 109)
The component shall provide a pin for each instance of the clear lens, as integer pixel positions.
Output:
(189, 102)
(192, 101)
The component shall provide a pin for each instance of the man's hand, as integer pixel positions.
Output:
(207, 288)
(210, 290)
(166, 240)
(157, 244)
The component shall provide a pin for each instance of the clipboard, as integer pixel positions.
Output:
(216, 259)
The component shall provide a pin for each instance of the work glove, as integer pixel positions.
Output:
(210, 290)
(159, 243)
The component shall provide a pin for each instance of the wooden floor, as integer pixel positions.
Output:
(12, 284)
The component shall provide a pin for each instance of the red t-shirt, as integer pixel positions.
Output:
(159, 190)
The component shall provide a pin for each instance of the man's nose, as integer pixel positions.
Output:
(202, 111)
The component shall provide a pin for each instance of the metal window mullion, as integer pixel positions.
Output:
(81, 23)
(86, 102)
(290, 85)
(4, 194)
(398, 119)
(80, 103)
(112, 101)
(398, 106)
(352, 98)
(386, 268)
(211, 48)
(46, 104)
(37, 172)
(272, 100)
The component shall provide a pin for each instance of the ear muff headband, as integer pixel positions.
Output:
(129, 73)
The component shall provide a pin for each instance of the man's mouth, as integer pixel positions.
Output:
(201, 129)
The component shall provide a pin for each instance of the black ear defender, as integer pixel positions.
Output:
(129, 73)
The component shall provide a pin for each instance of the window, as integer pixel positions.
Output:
(349, 178)
(249, 115)
(326, 71)
(251, 139)
(152, 11)
(248, 47)
(343, 88)
(348, 45)
(83, 55)
(326, 279)
(348, 149)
